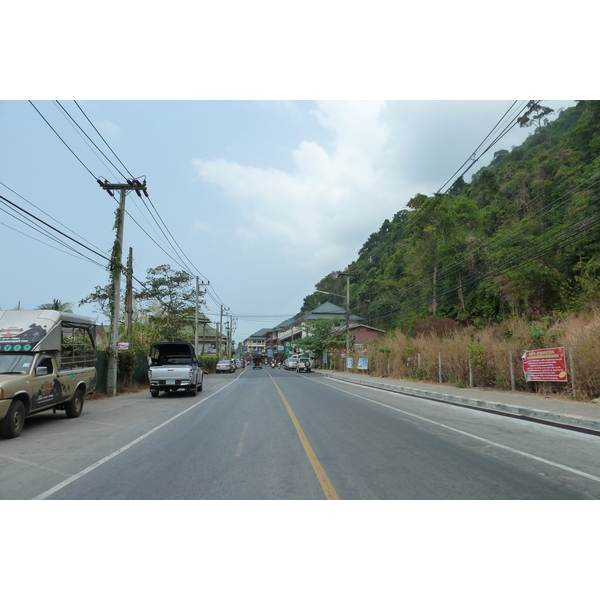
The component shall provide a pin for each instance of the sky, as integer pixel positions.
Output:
(263, 198)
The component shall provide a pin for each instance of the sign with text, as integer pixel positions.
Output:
(547, 364)
(363, 363)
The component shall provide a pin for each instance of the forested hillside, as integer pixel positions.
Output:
(521, 238)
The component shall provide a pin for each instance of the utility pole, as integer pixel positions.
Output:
(347, 319)
(220, 332)
(347, 274)
(129, 295)
(230, 336)
(116, 269)
(198, 284)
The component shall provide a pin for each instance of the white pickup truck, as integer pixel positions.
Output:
(47, 361)
(174, 366)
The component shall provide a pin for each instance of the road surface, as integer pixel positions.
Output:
(273, 434)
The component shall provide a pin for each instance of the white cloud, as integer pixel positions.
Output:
(318, 213)
(109, 128)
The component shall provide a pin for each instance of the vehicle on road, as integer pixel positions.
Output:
(291, 364)
(257, 362)
(47, 361)
(174, 366)
(303, 365)
(225, 366)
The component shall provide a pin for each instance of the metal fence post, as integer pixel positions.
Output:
(512, 371)
(572, 364)
(470, 372)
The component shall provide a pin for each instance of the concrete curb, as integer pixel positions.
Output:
(559, 418)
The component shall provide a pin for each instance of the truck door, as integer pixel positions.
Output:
(45, 387)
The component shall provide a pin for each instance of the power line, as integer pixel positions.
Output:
(74, 123)
(436, 199)
(47, 215)
(16, 206)
(102, 138)
(79, 255)
(184, 261)
(61, 139)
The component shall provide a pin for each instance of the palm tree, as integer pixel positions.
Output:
(57, 305)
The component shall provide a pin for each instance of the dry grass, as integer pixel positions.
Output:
(482, 358)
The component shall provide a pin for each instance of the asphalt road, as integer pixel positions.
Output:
(273, 434)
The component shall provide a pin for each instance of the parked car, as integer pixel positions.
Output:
(291, 364)
(303, 365)
(225, 366)
(174, 366)
(47, 361)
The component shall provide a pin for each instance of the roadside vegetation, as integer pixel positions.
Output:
(481, 357)
(505, 263)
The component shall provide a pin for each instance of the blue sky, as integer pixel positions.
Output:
(264, 197)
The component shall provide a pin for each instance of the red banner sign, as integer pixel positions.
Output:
(547, 364)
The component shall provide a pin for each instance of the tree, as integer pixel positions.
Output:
(322, 335)
(57, 304)
(177, 297)
(102, 296)
(535, 115)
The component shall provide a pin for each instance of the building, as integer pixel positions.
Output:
(279, 341)
(255, 344)
(363, 333)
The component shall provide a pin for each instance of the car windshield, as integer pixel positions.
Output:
(15, 363)
(223, 362)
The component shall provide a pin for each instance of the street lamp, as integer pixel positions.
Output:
(347, 317)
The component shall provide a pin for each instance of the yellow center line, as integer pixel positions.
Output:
(327, 486)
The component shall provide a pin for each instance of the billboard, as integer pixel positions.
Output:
(546, 364)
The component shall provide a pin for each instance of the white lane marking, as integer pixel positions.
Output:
(465, 433)
(91, 468)
(32, 464)
(240, 446)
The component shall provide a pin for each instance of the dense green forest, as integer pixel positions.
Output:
(521, 238)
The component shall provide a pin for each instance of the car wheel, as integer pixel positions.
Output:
(154, 393)
(74, 406)
(12, 424)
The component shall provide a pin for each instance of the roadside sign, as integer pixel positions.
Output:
(546, 364)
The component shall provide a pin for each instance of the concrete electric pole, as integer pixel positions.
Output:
(116, 269)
